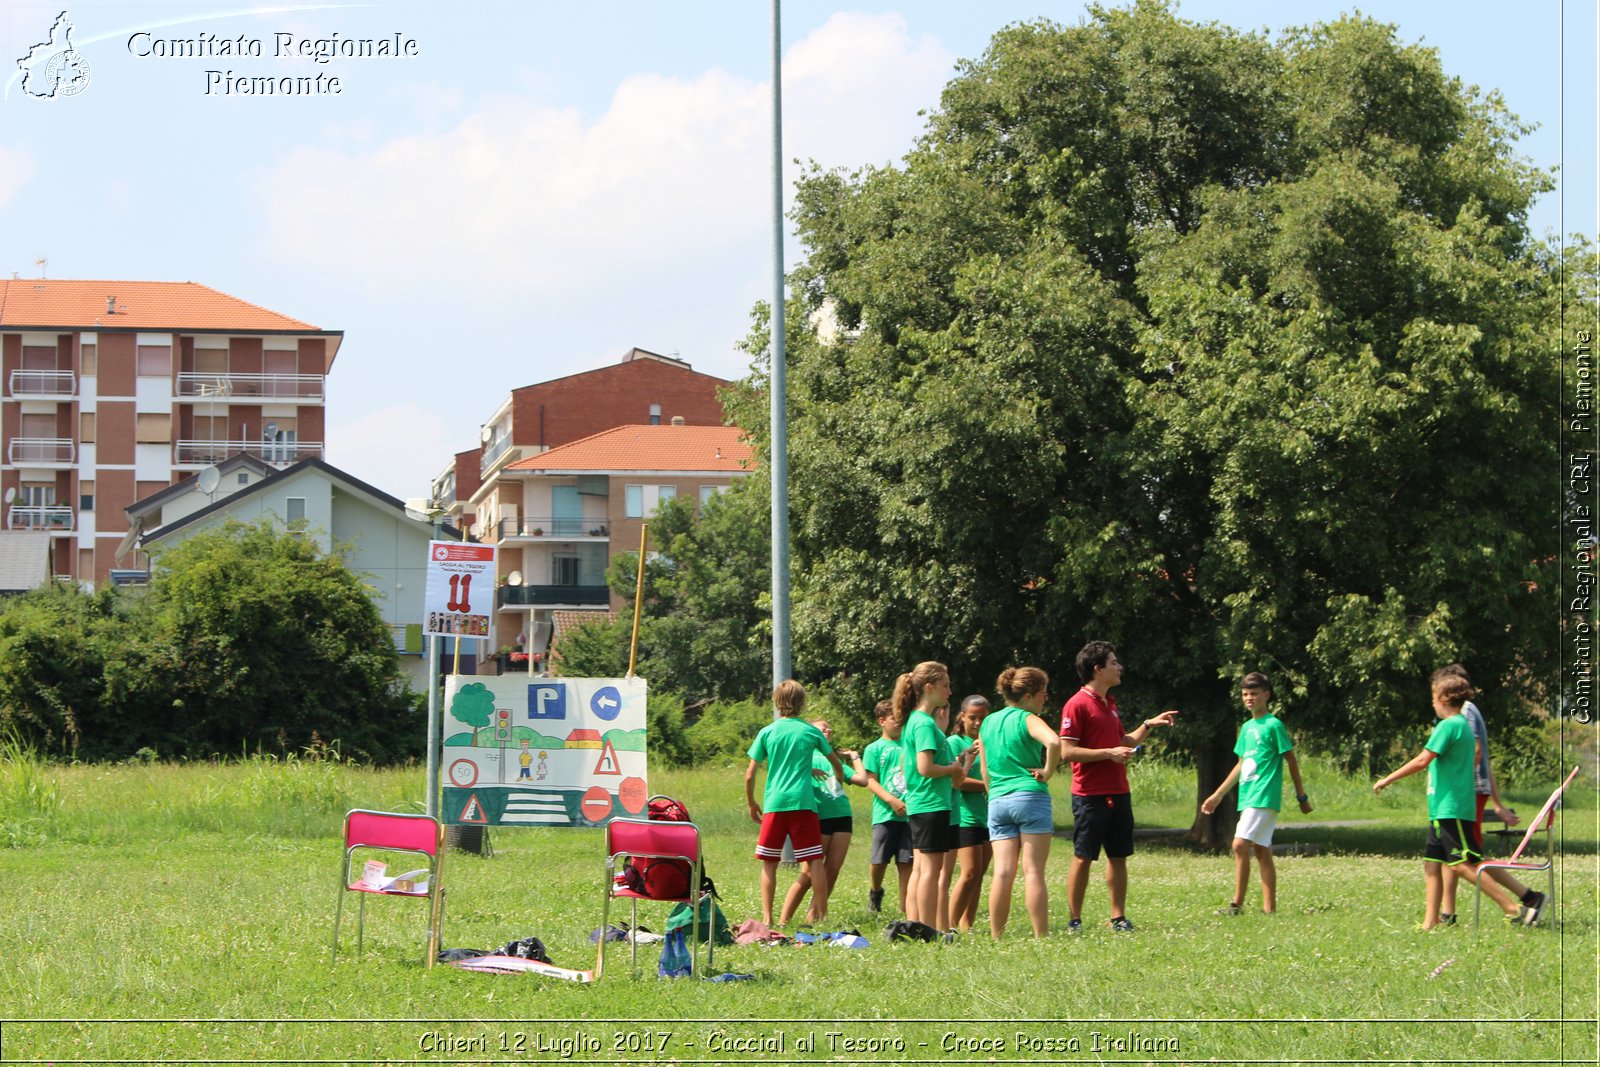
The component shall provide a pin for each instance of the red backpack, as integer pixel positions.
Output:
(661, 879)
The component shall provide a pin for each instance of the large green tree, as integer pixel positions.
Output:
(251, 637)
(1233, 351)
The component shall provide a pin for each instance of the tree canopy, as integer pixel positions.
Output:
(1233, 351)
(248, 638)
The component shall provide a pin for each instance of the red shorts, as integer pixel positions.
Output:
(802, 829)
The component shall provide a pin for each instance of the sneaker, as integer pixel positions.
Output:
(875, 900)
(1230, 909)
(1121, 925)
(1074, 926)
(1533, 909)
(948, 937)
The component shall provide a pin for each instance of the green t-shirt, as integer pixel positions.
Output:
(1011, 753)
(1261, 746)
(966, 808)
(1452, 789)
(832, 803)
(922, 734)
(882, 758)
(786, 747)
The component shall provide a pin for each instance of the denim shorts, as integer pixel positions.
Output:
(1026, 811)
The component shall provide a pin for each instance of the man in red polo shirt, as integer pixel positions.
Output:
(1094, 741)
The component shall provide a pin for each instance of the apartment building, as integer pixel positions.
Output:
(113, 390)
(562, 513)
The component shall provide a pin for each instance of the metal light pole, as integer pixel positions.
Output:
(780, 420)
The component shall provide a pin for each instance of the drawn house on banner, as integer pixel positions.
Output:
(544, 751)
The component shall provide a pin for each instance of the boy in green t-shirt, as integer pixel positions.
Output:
(786, 746)
(891, 834)
(1449, 756)
(1263, 749)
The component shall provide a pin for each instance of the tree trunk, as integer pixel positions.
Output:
(1212, 764)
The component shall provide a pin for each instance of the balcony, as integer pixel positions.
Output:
(40, 517)
(41, 452)
(551, 596)
(548, 528)
(278, 453)
(254, 387)
(42, 384)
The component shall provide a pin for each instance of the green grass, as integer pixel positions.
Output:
(142, 894)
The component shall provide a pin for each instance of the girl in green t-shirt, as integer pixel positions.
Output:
(1017, 754)
(930, 773)
(969, 814)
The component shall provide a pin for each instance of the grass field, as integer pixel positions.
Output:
(182, 913)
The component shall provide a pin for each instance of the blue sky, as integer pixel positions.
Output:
(545, 185)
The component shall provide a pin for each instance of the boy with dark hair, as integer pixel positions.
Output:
(1095, 742)
(891, 834)
(786, 745)
(1448, 758)
(1263, 749)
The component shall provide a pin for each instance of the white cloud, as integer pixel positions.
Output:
(397, 449)
(16, 170)
(519, 196)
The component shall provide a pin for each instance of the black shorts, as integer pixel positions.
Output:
(971, 836)
(839, 824)
(1102, 822)
(1450, 841)
(891, 842)
(930, 831)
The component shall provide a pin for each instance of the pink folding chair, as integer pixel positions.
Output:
(647, 839)
(407, 835)
(1542, 822)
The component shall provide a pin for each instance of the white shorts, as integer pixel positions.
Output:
(1256, 826)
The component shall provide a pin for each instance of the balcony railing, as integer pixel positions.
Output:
(282, 453)
(550, 595)
(46, 451)
(40, 517)
(553, 529)
(49, 384)
(254, 386)
(493, 453)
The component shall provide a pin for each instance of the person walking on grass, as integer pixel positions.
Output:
(1264, 749)
(891, 834)
(834, 818)
(1448, 757)
(1017, 755)
(786, 746)
(1488, 792)
(969, 813)
(1094, 741)
(930, 776)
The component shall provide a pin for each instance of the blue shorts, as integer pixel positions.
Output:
(1026, 811)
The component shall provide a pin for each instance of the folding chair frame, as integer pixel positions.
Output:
(610, 890)
(1544, 823)
(404, 831)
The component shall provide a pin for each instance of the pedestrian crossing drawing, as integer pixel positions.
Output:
(536, 808)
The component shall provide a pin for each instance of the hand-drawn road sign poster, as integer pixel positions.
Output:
(521, 751)
(460, 589)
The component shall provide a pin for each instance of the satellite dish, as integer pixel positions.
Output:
(486, 434)
(11, 494)
(514, 578)
(209, 479)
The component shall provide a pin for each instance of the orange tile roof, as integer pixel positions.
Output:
(649, 448)
(39, 303)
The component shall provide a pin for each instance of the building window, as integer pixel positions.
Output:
(86, 427)
(296, 509)
(634, 497)
(88, 361)
(85, 501)
(655, 414)
(244, 478)
(155, 361)
(564, 570)
(709, 491)
(153, 429)
(664, 493)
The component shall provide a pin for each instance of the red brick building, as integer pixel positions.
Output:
(112, 390)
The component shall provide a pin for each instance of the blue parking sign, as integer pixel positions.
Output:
(547, 700)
